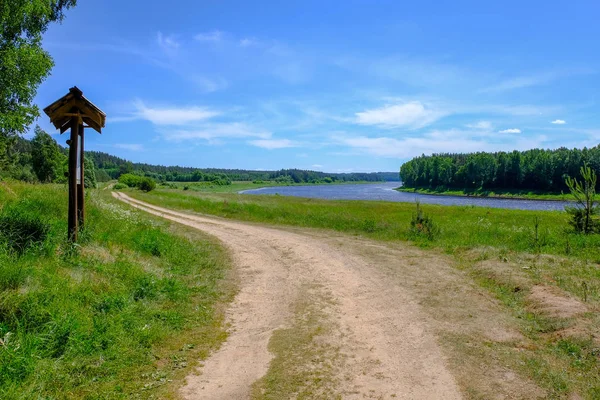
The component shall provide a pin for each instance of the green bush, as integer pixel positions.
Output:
(130, 180)
(20, 231)
(119, 186)
(422, 225)
(147, 184)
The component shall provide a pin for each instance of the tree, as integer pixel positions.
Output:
(23, 63)
(582, 216)
(46, 157)
(89, 173)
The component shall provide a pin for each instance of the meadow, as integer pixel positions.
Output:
(126, 313)
(508, 253)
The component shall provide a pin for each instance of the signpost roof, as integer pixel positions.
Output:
(74, 104)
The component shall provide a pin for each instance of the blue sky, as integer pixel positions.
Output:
(338, 86)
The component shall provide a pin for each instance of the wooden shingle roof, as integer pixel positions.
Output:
(74, 104)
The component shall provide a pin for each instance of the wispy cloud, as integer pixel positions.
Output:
(167, 42)
(432, 142)
(522, 82)
(129, 146)
(483, 125)
(512, 130)
(559, 122)
(413, 115)
(271, 144)
(209, 85)
(172, 115)
(215, 131)
(249, 42)
(541, 78)
(212, 36)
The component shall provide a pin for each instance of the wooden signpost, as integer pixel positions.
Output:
(71, 112)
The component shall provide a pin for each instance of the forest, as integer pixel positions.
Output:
(42, 159)
(533, 170)
(115, 166)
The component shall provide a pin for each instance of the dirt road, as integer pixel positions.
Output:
(378, 340)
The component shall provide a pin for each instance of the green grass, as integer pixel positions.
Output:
(461, 226)
(208, 187)
(505, 194)
(553, 256)
(304, 367)
(124, 314)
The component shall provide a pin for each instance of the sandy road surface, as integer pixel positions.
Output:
(390, 351)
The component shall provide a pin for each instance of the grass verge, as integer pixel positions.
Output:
(126, 313)
(503, 194)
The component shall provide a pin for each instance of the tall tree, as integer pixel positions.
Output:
(46, 157)
(24, 64)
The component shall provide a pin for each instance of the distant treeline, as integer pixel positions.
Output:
(537, 170)
(115, 167)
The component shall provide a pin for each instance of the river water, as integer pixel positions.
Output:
(385, 191)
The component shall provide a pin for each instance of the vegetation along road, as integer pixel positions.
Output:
(326, 315)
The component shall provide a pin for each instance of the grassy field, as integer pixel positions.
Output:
(506, 194)
(506, 252)
(127, 313)
(209, 187)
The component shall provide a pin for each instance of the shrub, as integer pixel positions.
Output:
(130, 180)
(147, 184)
(583, 216)
(119, 186)
(422, 225)
(19, 231)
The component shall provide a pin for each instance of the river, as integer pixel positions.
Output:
(385, 191)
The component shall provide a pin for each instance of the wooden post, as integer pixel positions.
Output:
(73, 179)
(81, 185)
(70, 112)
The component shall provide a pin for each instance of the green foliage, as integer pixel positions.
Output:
(89, 173)
(532, 170)
(46, 157)
(422, 225)
(115, 166)
(141, 182)
(107, 320)
(119, 186)
(20, 230)
(130, 180)
(583, 218)
(147, 184)
(101, 175)
(23, 63)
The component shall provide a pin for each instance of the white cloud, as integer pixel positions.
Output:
(484, 125)
(173, 115)
(167, 42)
(213, 36)
(212, 132)
(450, 141)
(272, 144)
(512, 130)
(130, 146)
(413, 114)
(559, 122)
(318, 166)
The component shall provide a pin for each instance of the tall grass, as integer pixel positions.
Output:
(119, 315)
